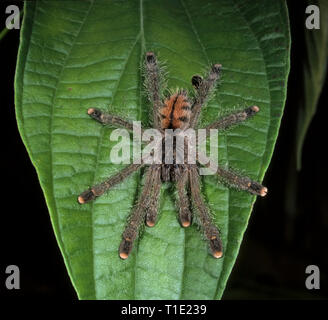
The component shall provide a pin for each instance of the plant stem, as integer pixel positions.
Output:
(3, 33)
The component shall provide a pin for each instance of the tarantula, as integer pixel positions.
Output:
(175, 112)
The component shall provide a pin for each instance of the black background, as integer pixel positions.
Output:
(277, 246)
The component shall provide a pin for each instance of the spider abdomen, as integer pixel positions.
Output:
(175, 113)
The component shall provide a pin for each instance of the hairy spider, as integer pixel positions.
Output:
(175, 112)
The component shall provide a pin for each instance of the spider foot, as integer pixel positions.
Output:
(257, 188)
(216, 247)
(252, 110)
(216, 68)
(151, 219)
(185, 218)
(150, 57)
(94, 113)
(196, 81)
(86, 196)
(125, 248)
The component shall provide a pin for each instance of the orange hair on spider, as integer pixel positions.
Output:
(175, 114)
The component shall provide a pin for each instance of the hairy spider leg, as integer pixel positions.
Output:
(137, 216)
(152, 83)
(230, 120)
(229, 176)
(211, 232)
(185, 214)
(152, 210)
(241, 182)
(100, 188)
(203, 89)
(106, 118)
(238, 181)
(233, 119)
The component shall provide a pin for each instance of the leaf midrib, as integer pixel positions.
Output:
(226, 147)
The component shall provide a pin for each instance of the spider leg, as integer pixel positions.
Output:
(132, 229)
(152, 210)
(183, 201)
(241, 182)
(211, 232)
(99, 189)
(106, 118)
(203, 89)
(152, 82)
(234, 118)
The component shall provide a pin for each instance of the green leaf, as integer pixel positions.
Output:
(314, 75)
(79, 54)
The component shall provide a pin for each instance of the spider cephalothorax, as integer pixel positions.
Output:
(176, 112)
